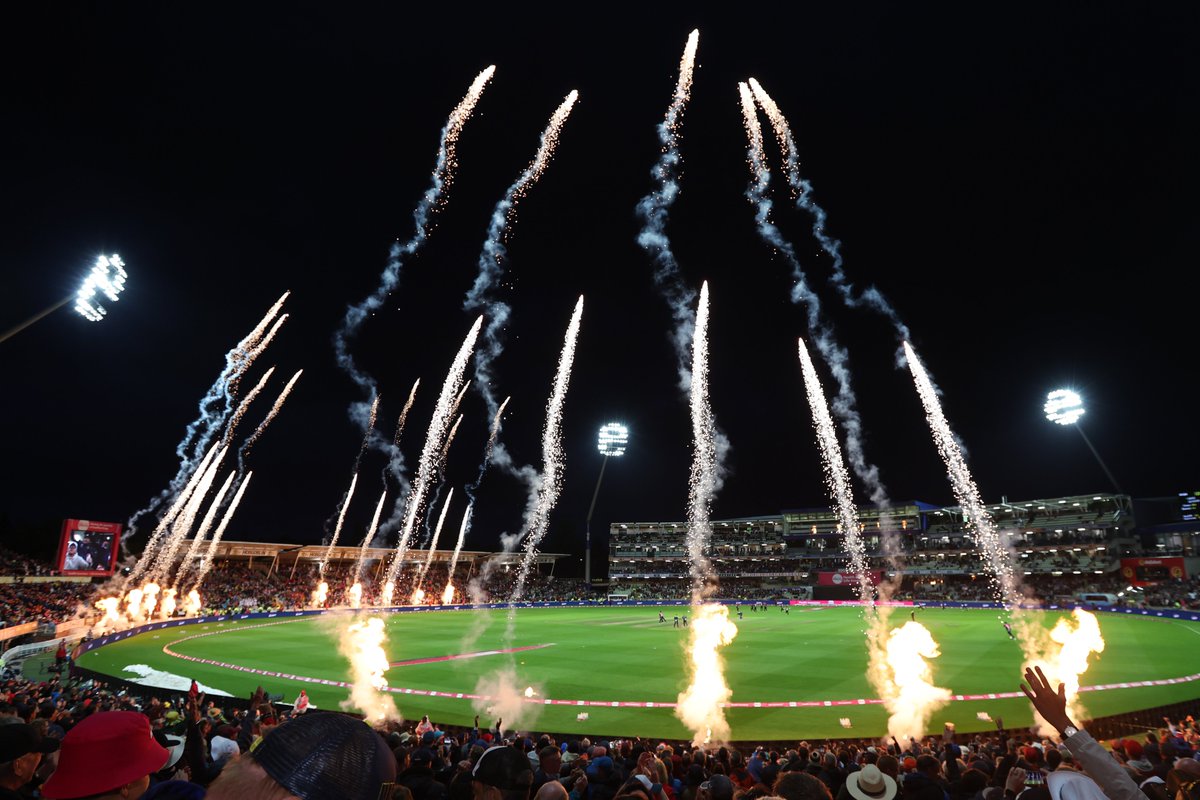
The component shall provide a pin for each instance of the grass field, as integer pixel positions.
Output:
(625, 655)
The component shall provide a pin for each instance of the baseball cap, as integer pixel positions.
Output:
(322, 755)
(506, 768)
(21, 740)
(422, 755)
(104, 751)
(223, 748)
(653, 788)
(173, 745)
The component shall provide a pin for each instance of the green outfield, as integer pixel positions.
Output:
(609, 655)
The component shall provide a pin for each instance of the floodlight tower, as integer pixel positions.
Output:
(107, 277)
(611, 441)
(1065, 407)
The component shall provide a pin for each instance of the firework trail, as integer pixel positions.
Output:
(206, 563)
(395, 462)
(183, 523)
(845, 403)
(837, 478)
(803, 192)
(241, 409)
(205, 525)
(244, 450)
(340, 513)
(426, 467)
(493, 254)
(541, 503)
(433, 199)
(366, 542)
(441, 474)
(653, 210)
(215, 407)
(699, 705)
(437, 532)
(448, 592)
(362, 448)
(164, 524)
(337, 531)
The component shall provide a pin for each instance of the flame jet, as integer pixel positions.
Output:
(433, 199)
(427, 466)
(215, 407)
(699, 706)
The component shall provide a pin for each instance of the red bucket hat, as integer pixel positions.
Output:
(105, 751)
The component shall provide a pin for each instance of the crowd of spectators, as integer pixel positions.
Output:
(81, 739)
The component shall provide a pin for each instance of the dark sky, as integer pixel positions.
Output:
(1019, 182)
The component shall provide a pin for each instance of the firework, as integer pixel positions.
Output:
(366, 542)
(206, 562)
(320, 594)
(197, 540)
(355, 594)
(363, 646)
(337, 531)
(244, 450)
(437, 532)
(448, 592)
(906, 680)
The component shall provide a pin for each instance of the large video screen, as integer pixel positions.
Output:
(88, 547)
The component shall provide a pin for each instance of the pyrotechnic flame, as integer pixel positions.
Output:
(418, 597)
(192, 605)
(320, 594)
(362, 644)
(529, 692)
(389, 589)
(448, 594)
(699, 706)
(167, 607)
(149, 599)
(355, 593)
(1064, 657)
(112, 612)
(133, 604)
(906, 680)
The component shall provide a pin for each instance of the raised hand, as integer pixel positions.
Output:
(1051, 704)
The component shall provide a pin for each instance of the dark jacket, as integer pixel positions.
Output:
(422, 784)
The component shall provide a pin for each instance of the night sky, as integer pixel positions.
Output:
(1019, 183)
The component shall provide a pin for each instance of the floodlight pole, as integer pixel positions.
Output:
(1100, 460)
(587, 547)
(11, 332)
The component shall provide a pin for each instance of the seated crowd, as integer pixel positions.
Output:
(78, 739)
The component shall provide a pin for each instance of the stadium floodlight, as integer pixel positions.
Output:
(1065, 407)
(106, 277)
(611, 442)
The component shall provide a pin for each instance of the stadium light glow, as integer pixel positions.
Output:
(612, 439)
(1063, 407)
(108, 278)
(611, 442)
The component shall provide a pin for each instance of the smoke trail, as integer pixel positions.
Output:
(206, 564)
(199, 433)
(803, 192)
(202, 533)
(433, 441)
(366, 542)
(244, 450)
(431, 201)
(845, 403)
(448, 592)
(437, 532)
(164, 524)
(492, 256)
(699, 706)
(337, 531)
(537, 513)
(653, 210)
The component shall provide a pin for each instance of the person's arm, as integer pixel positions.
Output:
(1112, 778)
(952, 773)
(246, 731)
